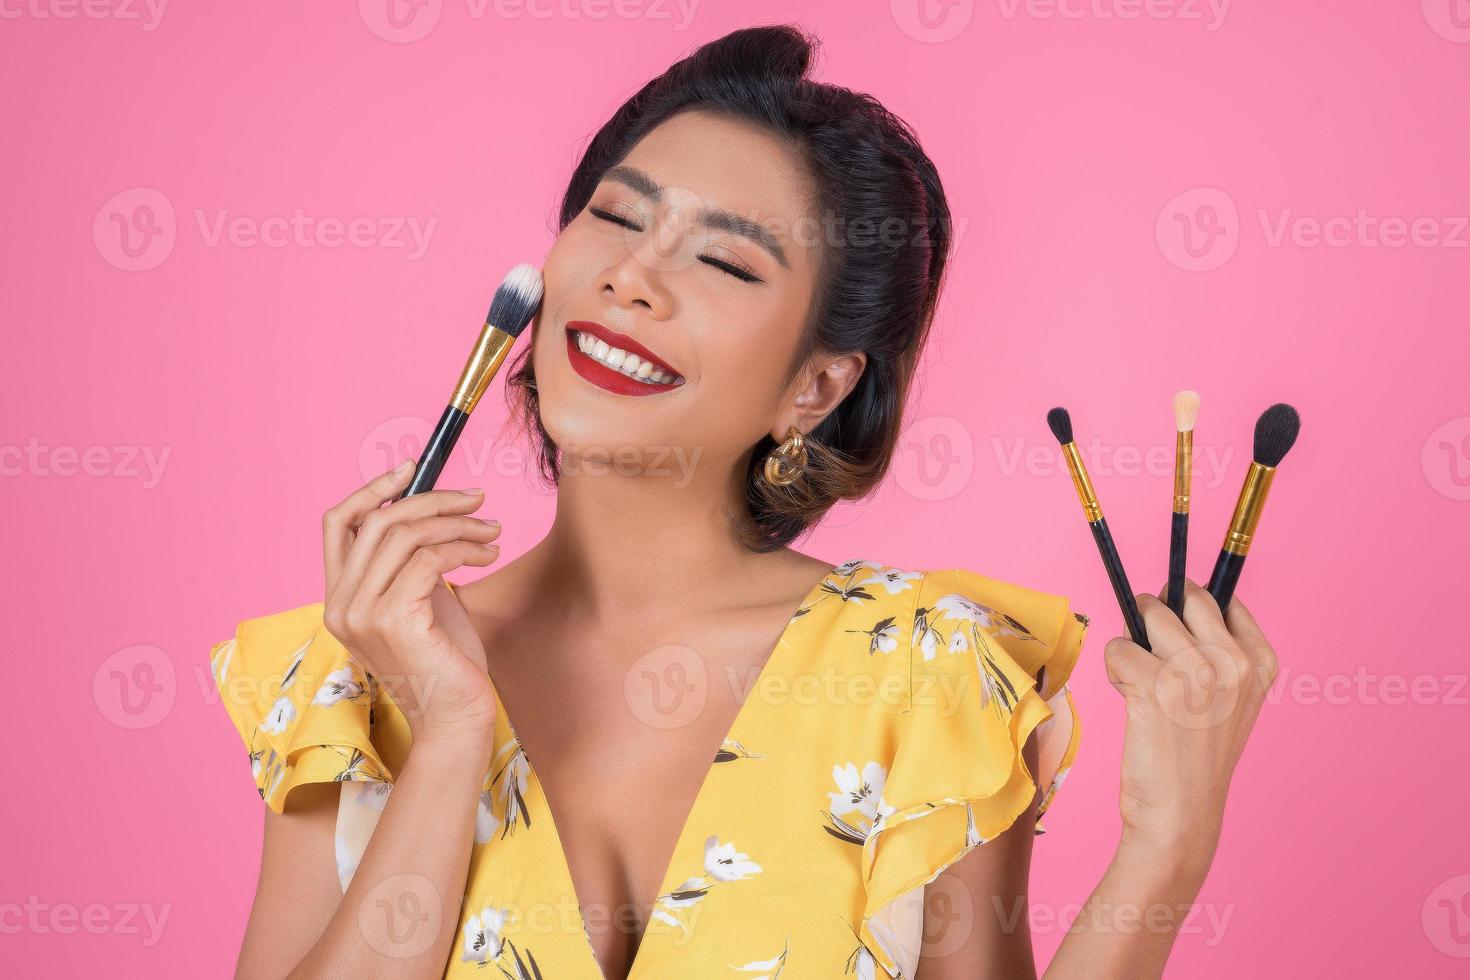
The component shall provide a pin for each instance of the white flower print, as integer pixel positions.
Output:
(296, 658)
(768, 969)
(848, 567)
(513, 791)
(724, 863)
(972, 836)
(275, 772)
(730, 750)
(969, 611)
(347, 860)
(486, 822)
(883, 637)
(857, 793)
(894, 580)
(926, 638)
(482, 942)
(959, 643)
(282, 713)
(341, 685)
(857, 808)
(222, 658)
(862, 964)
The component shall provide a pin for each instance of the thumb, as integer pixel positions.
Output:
(1128, 664)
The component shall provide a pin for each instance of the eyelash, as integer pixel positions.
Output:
(732, 270)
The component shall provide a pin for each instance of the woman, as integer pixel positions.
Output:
(747, 761)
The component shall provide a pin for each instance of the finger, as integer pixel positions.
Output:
(402, 540)
(1243, 625)
(427, 567)
(1165, 631)
(1249, 635)
(369, 537)
(339, 520)
(1202, 616)
(1128, 664)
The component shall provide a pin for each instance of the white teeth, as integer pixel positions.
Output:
(620, 360)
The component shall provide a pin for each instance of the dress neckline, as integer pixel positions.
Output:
(666, 884)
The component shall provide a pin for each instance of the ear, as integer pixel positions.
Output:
(820, 388)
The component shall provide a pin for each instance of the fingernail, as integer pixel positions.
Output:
(492, 523)
(403, 466)
(475, 492)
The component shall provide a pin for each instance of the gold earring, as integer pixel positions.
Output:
(785, 463)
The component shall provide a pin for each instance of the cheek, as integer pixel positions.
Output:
(747, 362)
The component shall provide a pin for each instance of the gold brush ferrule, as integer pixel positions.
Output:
(490, 351)
(1085, 493)
(1183, 465)
(1248, 508)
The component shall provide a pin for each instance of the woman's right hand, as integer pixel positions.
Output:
(387, 603)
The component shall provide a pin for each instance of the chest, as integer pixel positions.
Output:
(620, 736)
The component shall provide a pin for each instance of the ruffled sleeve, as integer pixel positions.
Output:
(303, 707)
(988, 665)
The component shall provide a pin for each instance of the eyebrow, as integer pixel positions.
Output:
(716, 218)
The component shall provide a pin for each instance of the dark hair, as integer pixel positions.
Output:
(876, 290)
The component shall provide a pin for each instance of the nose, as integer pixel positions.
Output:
(636, 280)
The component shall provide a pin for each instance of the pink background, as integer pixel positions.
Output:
(1076, 150)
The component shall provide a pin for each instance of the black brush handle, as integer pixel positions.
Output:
(1114, 565)
(1225, 576)
(436, 452)
(1178, 549)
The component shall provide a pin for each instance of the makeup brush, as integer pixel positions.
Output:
(1060, 422)
(514, 304)
(1186, 410)
(1276, 431)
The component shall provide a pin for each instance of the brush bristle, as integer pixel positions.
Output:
(516, 300)
(1276, 432)
(1186, 410)
(1060, 421)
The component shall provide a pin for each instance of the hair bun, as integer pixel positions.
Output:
(781, 51)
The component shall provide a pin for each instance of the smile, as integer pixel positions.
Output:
(616, 362)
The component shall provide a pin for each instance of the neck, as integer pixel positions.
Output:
(626, 538)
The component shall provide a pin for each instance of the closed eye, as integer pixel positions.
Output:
(726, 267)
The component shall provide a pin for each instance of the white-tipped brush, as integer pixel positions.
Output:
(511, 310)
(1186, 411)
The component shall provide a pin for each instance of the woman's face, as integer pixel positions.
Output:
(699, 250)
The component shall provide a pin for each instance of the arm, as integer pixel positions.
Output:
(399, 916)
(977, 918)
(1191, 705)
(388, 604)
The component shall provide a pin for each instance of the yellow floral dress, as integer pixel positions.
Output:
(822, 816)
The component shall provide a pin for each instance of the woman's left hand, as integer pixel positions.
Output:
(1191, 705)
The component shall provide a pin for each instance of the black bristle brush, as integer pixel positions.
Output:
(1186, 411)
(1276, 432)
(1060, 422)
(514, 304)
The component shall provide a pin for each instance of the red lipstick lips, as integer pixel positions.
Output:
(611, 379)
